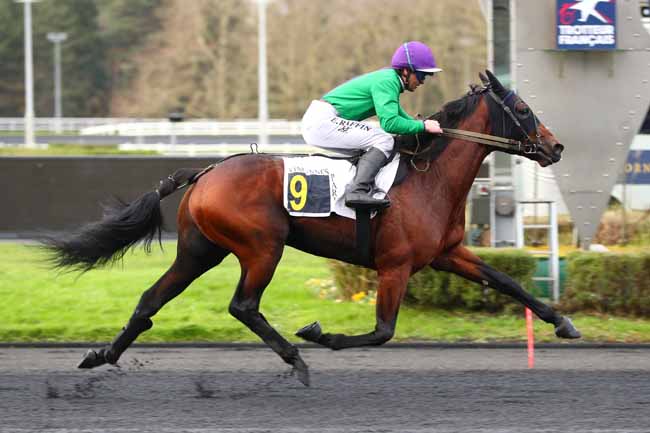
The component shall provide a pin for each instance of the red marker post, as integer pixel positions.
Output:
(531, 338)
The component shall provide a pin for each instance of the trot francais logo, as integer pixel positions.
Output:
(586, 24)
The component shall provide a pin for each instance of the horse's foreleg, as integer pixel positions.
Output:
(256, 275)
(392, 287)
(194, 257)
(466, 264)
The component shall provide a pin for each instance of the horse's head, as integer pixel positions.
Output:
(512, 118)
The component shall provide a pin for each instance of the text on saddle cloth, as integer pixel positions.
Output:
(314, 186)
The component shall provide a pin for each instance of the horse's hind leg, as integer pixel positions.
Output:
(195, 255)
(463, 262)
(257, 270)
(391, 290)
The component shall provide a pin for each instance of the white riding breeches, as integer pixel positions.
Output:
(322, 127)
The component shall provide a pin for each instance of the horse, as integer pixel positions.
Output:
(236, 206)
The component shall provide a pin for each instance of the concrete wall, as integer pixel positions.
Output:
(61, 193)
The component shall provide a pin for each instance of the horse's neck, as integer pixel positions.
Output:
(459, 164)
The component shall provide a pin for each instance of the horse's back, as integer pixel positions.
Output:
(239, 199)
(239, 206)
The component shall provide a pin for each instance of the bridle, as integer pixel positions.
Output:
(528, 146)
(508, 144)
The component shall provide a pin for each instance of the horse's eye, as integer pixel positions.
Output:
(522, 109)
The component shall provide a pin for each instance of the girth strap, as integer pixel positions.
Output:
(363, 234)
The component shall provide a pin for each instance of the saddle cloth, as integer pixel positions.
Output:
(314, 186)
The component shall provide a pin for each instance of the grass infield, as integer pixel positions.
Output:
(41, 305)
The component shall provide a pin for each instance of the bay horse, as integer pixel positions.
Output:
(237, 207)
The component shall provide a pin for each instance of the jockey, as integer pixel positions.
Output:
(334, 121)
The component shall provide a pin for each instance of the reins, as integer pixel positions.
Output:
(499, 142)
(476, 137)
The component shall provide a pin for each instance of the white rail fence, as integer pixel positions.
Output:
(152, 127)
(195, 127)
(69, 124)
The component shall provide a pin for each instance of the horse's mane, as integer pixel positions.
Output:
(455, 111)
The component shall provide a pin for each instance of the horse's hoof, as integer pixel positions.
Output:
(92, 359)
(310, 332)
(566, 329)
(301, 370)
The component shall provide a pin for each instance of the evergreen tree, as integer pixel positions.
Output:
(84, 78)
(125, 24)
(84, 82)
(12, 88)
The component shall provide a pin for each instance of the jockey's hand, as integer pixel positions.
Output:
(432, 126)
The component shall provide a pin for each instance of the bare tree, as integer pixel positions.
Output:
(205, 56)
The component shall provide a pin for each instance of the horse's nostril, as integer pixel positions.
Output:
(558, 148)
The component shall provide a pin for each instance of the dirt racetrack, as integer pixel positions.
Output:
(390, 389)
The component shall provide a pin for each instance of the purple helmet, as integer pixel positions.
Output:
(416, 56)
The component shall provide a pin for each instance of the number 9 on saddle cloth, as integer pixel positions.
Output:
(314, 186)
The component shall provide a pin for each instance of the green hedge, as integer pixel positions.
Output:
(444, 290)
(351, 279)
(608, 283)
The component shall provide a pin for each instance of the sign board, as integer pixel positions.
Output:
(637, 167)
(586, 24)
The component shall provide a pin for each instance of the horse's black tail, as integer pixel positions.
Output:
(122, 227)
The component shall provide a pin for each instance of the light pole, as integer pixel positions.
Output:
(29, 76)
(57, 38)
(263, 108)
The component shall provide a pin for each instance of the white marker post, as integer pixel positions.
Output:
(29, 76)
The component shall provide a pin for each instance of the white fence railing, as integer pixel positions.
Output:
(194, 127)
(141, 127)
(67, 123)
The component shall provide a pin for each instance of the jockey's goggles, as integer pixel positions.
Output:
(421, 76)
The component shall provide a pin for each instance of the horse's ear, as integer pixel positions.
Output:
(484, 79)
(495, 83)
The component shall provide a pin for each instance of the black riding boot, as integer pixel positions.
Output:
(358, 194)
